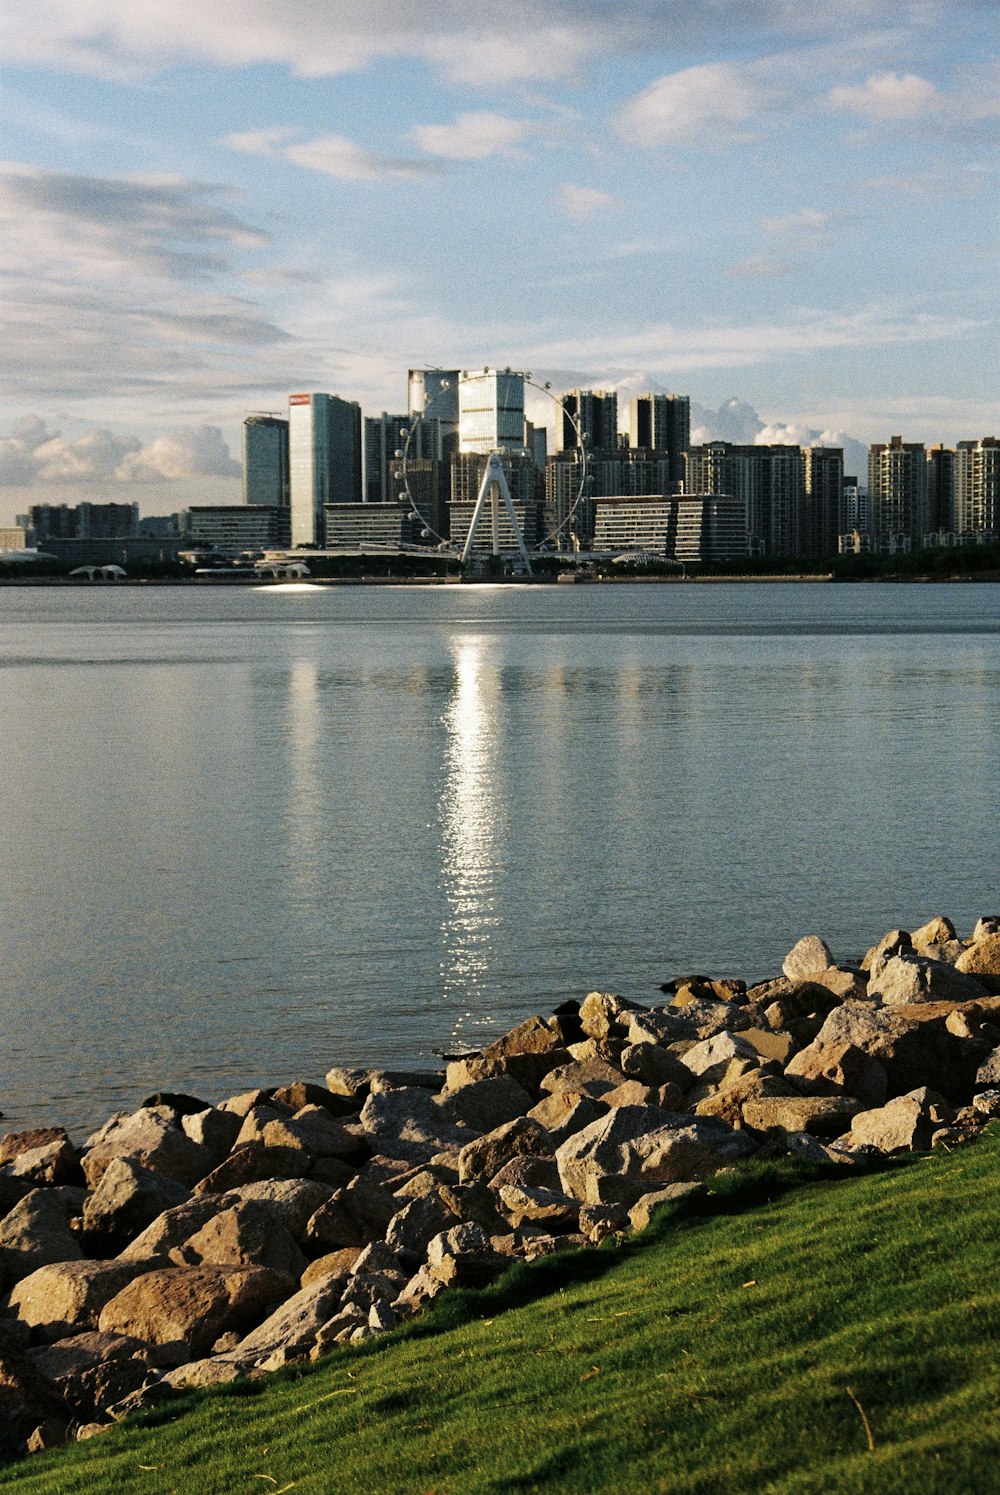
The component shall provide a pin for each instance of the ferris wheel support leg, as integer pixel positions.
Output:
(517, 528)
(477, 515)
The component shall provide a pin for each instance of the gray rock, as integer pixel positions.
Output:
(173, 1227)
(152, 1138)
(127, 1199)
(406, 1124)
(636, 1149)
(485, 1104)
(411, 1230)
(293, 1326)
(485, 1156)
(988, 1073)
(906, 1124)
(463, 1256)
(66, 1297)
(296, 1200)
(212, 1129)
(718, 1050)
(564, 1113)
(809, 955)
(248, 1233)
(907, 978)
(36, 1232)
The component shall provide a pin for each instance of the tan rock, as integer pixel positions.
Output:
(839, 1069)
(485, 1156)
(333, 1264)
(565, 1112)
(726, 1104)
(590, 1077)
(811, 954)
(820, 1115)
(152, 1138)
(66, 1297)
(982, 961)
(249, 1233)
(193, 1304)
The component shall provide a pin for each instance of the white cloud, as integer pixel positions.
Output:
(32, 455)
(584, 203)
(709, 104)
(333, 155)
(473, 136)
(887, 96)
(802, 221)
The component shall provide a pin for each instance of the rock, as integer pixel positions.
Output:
(254, 1162)
(891, 945)
(633, 1150)
(771, 1044)
(83, 1351)
(839, 1069)
(27, 1400)
(539, 1206)
(912, 1044)
(598, 1221)
(525, 1054)
(197, 1374)
(809, 955)
(249, 1233)
(127, 1199)
(150, 1137)
(294, 1326)
(463, 1256)
(242, 1104)
(906, 1124)
(415, 1225)
(193, 1304)
(845, 985)
(44, 1155)
(601, 1014)
(36, 1232)
(381, 1317)
(152, 1394)
(563, 1113)
(590, 1077)
(988, 1073)
(12, 1191)
(653, 1065)
(66, 1297)
(302, 1094)
(325, 1137)
(91, 1391)
(982, 962)
(718, 1050)
(635, 1093)
(988, 925)
(484, 1105)
(726, 1104)
(333, 1264)
(485, 1156)
(931, 936)
(641, 1214)
(214, 1130)
(908, 978)
(178, 1103)
(256, 1119)
(721, 1077)
(295, 1200)
(334, 1227)
(172, 1228)
(52, 1433)
(407, 1124)
(819, 1115)
(528, 1172)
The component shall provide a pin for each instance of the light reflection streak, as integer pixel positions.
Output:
(469, 824)
(303, 718)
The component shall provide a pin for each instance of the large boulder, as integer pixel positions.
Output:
(819, 1115)
(811, 954)
(28, 1399)
(127, 1199)
(716, 1052)
(838, 1069)
(982, 961)
(410, 1231)
(563, 1113)
(726, 1104)
(908, 978)
(255, 1162)
(635, 1149)
(248, 1233)
(486, 1104)
(44, 1155)
(525, 1054)
(172, 1228)
(906, 1124)
(194, 1305)
(590, 1077)
(66, 1297)
(913, 1045)
(293, 1326)
(36, 1232)
(151, 1137)
(485, 1156)
(407, 1124)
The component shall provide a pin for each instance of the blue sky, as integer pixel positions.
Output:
(210, 205)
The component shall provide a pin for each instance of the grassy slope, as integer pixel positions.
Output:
(720, 1352)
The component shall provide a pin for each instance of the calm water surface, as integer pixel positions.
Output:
(250, 834)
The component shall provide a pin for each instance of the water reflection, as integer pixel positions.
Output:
(303, 718)
(470, 826)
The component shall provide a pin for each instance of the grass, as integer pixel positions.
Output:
(780, 1335)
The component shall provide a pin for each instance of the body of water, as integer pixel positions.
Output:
(252, 833)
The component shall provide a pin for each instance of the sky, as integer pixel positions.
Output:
(784, 209)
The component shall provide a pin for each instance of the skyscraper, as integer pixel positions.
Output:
(977, 485)
(662, 422)
(770, 481)
(491, 411)
(433, 393)
(324, 449)
(824, 488)
(265, 461)
(595, 411)
(384, 436)
(898, 488)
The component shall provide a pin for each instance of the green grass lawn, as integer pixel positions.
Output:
(839, 1335)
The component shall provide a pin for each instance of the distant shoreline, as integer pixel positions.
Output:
(262, 583)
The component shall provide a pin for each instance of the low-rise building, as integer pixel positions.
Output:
(237, 527)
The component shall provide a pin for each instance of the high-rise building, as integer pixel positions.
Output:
(898, 488)
(824, 487)
(595, 412)
(663, 423)
(770, 480)
(324, 450)
(854, 511)
(385, 435)
(977, 485)
(265, 461)
(940, 489)
(86, 521)
(491, 411)
(434, 393)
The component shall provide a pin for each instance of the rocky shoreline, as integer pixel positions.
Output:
(188, 1244)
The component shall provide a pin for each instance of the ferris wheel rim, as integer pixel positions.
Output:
(445, 545)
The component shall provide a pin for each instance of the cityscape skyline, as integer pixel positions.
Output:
(797, 204)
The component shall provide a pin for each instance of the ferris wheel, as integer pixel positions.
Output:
(494, 496)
